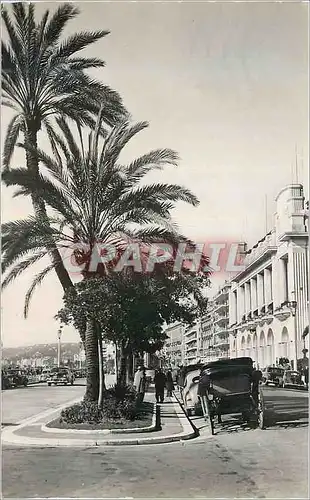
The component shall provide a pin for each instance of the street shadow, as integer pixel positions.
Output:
(293, 418)
(296, 418)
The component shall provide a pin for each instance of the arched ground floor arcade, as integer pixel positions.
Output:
(266, 344)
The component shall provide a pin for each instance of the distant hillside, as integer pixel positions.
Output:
(68, 350)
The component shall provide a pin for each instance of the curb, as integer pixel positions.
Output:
(189, 432)
(151, 428)
(187, 421)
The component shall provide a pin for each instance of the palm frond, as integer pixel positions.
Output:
(154, 160)
(53, 30)
(11, 138)
(21, 267)
(79, 41)
(36, 282)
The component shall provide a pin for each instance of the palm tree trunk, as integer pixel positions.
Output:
(116, 363)
(31, 133)
(102, 386)
(129, 368)
(92, 362)
(122, 370)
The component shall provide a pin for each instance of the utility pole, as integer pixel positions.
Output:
(59, 333)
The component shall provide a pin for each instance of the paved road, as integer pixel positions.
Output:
(24, 402)
(235, 463)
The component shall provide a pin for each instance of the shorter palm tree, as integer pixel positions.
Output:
(93, 198)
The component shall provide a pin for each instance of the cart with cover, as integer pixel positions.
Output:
(231, 386)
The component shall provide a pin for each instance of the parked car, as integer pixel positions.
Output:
(60, 376)
(44, 375)
(149, 374)
(5, 381)
(292, 378)
(17, 377)
(190, 397)
(183, 372)
(273, 375)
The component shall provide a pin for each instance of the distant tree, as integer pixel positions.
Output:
(130, 309)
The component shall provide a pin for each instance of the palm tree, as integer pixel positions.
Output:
(94, 197)
(43, 78)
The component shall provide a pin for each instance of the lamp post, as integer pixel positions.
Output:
(293, 306)
(59, 333)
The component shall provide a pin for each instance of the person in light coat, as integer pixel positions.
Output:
(139, 384)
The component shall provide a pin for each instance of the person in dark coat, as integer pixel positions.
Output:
(160, 382)
(169, 384)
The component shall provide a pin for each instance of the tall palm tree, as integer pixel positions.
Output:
(44, 77)
(94, 197)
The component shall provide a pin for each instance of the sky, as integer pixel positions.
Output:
(223, 83)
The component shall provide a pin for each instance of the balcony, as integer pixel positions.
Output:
(222, 294)
(222, 344)
(190, 333)
(221, 307)
(215, 355)
(221, 320)
(191, 339)
(220, 331)
(190, 349)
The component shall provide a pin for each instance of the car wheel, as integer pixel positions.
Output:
(49, 384)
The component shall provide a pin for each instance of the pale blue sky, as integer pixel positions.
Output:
(225, 84)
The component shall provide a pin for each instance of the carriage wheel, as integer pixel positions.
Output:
(207, 413)
(210, 417)
(261, 419)
(211, 424)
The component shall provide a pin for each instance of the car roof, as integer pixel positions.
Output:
(190, 368)
(192, 372)
(242, 361)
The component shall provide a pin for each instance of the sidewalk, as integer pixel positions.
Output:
(175, 426)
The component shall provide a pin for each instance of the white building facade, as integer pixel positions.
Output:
(173, 348)
(269, 299)
(215, 326)
(192, 344)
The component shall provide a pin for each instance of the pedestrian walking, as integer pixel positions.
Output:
(306, 376)
(139, 384)
(160, 382)
(180, 379)
(169, 384)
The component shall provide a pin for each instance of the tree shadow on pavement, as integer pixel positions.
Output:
(292, 418)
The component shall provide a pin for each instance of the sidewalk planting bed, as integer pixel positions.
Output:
(141, 418)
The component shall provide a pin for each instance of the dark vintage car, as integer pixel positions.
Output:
(6, 382)
(60, 376)
(292, 378)
(17, 378)
(273, 375)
